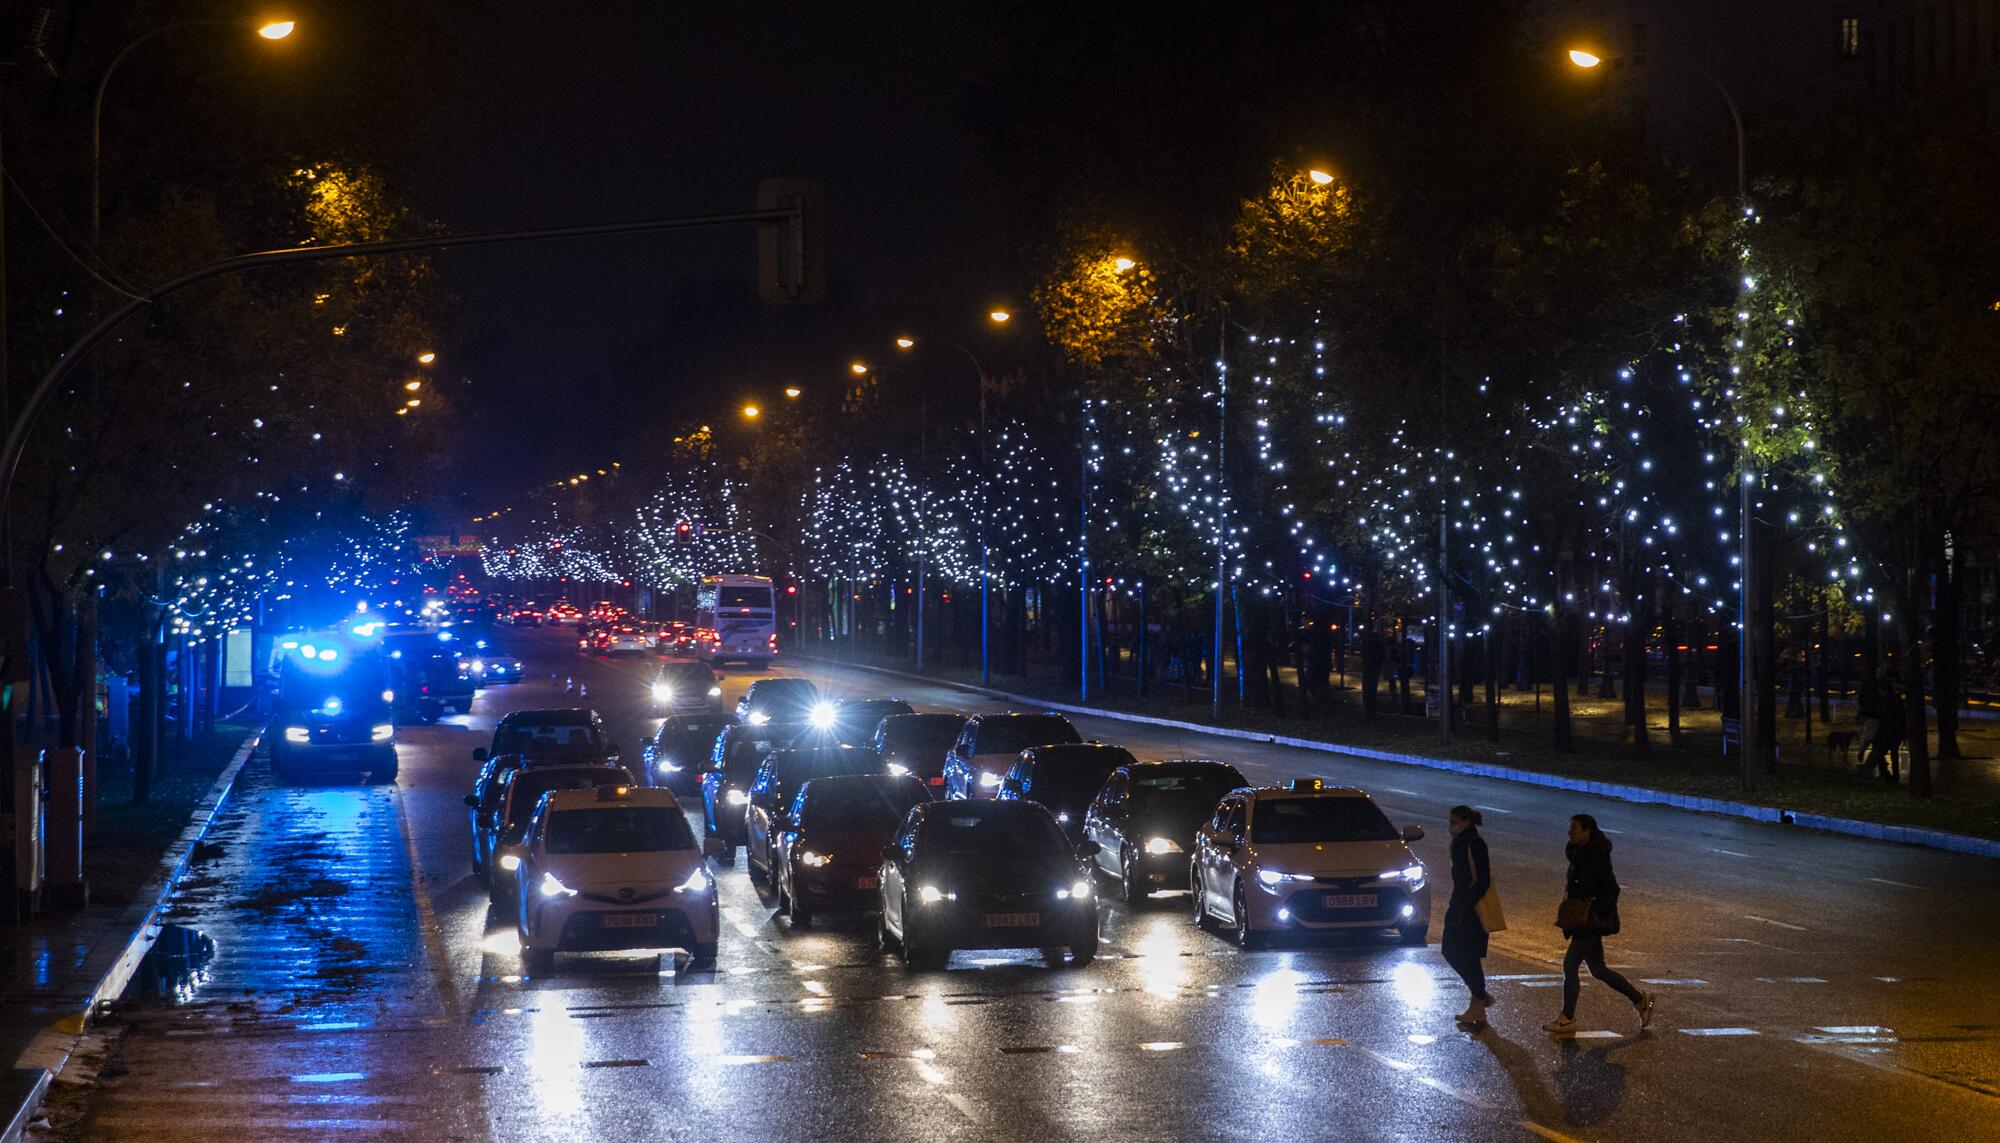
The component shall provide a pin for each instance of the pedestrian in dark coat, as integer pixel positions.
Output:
(1464, 943)
(1591, 879)
(1889, 731)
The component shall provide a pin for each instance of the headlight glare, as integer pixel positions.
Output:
(759, 718)
(1160, 845)
(988, 779)
(736, 798)
(662, 692)
(553, 888)
(929, 895)
(297, 734)
(821, 715)
(815, 860)
(382, 732)
(697, 882)
(509, 862)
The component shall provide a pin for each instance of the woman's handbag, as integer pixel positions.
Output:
(1490, 917)
(1573, 915)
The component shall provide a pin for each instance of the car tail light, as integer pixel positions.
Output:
(938, 781)
(425, 689)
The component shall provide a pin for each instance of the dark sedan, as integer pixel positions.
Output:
(679, 753)
(827, 857)
(777, 783)
(1064, 777)
(918, 743)
(1145, 818)
(856, 720)
(986, 874)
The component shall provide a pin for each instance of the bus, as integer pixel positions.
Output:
(736, 618)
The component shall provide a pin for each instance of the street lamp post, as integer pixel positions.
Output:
(1749, 717)
(271, 31)
(923, 491)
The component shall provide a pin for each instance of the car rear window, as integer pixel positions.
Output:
(861, 805)
(550, 738)
(797, 769)
(1183, 789)
(993, 833)
(1071, 783)
(921, 735)
(1292, 821)
(619, 829)
(1015, 734)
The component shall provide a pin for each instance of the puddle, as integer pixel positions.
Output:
(176, 967)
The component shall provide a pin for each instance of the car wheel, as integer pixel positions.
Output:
(1414, 935)
(802, 917)
(538, 962)
(1130, 887)
(1200, 895)
(1246, 937)
(382, 777)
(882, 937)
(1083, 954)
(702, 955)
(920, 954)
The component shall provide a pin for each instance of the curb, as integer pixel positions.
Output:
(1852, 827)
(50, 1051)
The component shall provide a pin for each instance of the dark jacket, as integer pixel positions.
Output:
(1471, 877)
(1590, 877)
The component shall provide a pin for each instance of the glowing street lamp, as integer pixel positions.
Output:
(1000, 317)
(752, 412)
(905, 342)
(276, 30)
(1122, 263)
(426, 357)
(792, 391)
(859, 369)
(413, 385)
(1581, 58)
(1320, 178)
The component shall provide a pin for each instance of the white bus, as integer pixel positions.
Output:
(736, 617)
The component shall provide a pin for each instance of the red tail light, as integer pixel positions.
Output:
(425, 689)
(938, 781)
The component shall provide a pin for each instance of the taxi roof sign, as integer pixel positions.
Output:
(1307, 785)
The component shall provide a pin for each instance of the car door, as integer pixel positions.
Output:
(1229, 846)
(757, 815)
(1104, 823)
(1212, 843)
(958, 763)
(893, 874)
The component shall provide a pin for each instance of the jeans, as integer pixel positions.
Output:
(1588, 948)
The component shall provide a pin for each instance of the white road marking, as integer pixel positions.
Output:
(1719, 1032)
(1729, 852)
(1493, 809)
(1897, 884)
(1688, 981)
(965, 1107)
(1402, 791)
(1790, 980)
(1769, 921)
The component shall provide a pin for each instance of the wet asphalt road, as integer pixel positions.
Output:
(1811, 988)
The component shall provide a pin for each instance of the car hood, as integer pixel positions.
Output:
(608, 875)
(1003, 873)
(1334, 859)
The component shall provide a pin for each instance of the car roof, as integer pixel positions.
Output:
(932, 715)
(1181, 765)
(1055, 750)
(579, 715)
(981, 807)
(1275, 793)
(874, 778)
(787, 683)
(591, 800)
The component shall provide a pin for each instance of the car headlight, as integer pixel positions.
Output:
(988, 779)
(1410, 873)
(715, 692)
(1079, 890)
(662, 693)
(388, 696)
(667, 767)
(509, 862)
(759, 718)
(821, 716)
(929, 895)
(553, 888)
(479, 666)
(1160, 845)
(697, 882)
(297, 734)
(1271, 878)
(736, 798)
(382, 732)
(898, 769)
(815, 860)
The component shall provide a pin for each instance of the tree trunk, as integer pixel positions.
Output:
(1672, 630)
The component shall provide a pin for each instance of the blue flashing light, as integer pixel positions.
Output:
(444, 636)
(395, 654)
(331, 705)
(328, 654)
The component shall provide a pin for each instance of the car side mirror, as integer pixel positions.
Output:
(471, 801)
(714, 847)
(479, 754)
(1413, 833)
(891, 854)
(1012, 786)
(1088, 848)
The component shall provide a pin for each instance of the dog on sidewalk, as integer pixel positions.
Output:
(1840, 742)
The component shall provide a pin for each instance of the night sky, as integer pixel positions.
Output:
(583, 352)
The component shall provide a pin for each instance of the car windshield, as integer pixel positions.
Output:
(1165, 791)
(688, 674)
(549, 738)
(861, 805)
(1015, 734)
(1071, 782)
(1290, 821)
(704, 730)
(994, 833)
(920, 735)
(619, 829)
(355, 685)
(528, 786)
(786, 695)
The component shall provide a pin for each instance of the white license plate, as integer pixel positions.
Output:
(346, 756)
(1012, 920)
(1348, 901)
(867, 883)
(631, 920)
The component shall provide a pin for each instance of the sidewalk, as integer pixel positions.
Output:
(56, 970)
(1811, 790)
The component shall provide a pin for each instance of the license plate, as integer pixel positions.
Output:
(346, 756)
(1012, 920)
(867, 883)
(630, 920)
(1348, 901)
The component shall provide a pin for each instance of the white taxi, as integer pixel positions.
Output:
(614, 867)
(1307, 858)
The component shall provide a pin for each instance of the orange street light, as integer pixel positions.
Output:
(858, 369)
(793, 392)
(1122, 263)
(277, 29)
(907, 342)
(752, 412)
(1581, 58)
(426, 357)
(1320, 178)
(1000, 317)
(414, 402)
(413, 385)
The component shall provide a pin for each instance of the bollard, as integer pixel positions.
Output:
(63, 845)
(28, 828)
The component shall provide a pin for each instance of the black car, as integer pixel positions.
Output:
(771, 702)
(856, 720)
(918, 744)
(725, 784)
(427, 675)
(332, 712)
(778, 780)
(1065, 778)
(575, 730)
(1145, 818)
(986, 874)
(677, 755)
(827, 856)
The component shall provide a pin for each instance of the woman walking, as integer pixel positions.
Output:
(1464, 943)
(1589, 913)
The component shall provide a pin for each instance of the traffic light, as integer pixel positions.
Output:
(685, 529)
(791, 589)
(791, 252)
